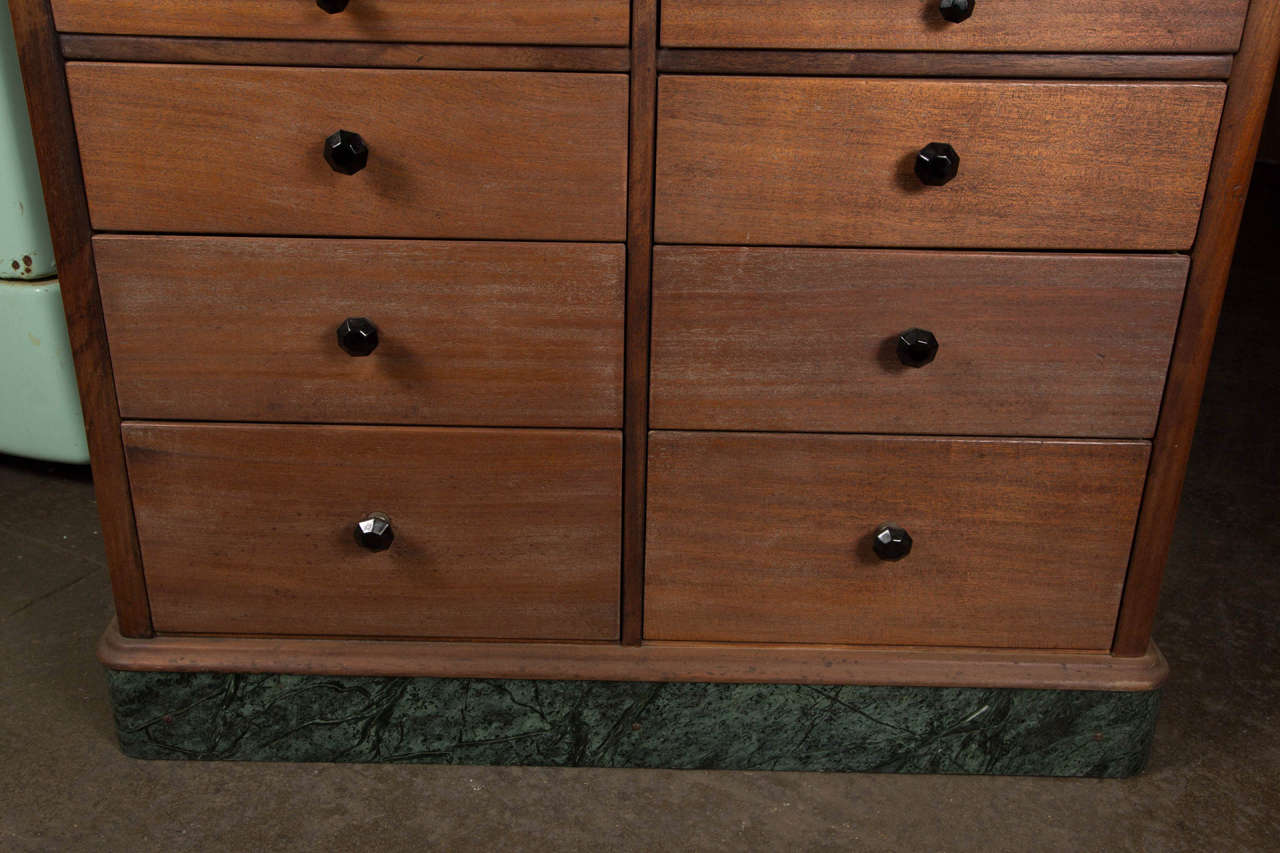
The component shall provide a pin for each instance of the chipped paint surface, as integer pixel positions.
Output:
(26, 253)
(29, 265)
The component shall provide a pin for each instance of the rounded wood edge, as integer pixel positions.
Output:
(912, 667)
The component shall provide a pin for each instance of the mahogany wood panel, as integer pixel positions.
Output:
(1141, 26)
(737, 662)
(767, 538)
(1210, 265)
(1131, 66)
(493, 334)
(453, 154)
(498, 533)
(644, 82)
(805, 339)
(818, 161)
(351, 54)
(59, 162)
(479, 21)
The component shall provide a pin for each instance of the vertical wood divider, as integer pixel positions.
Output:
(1238, 134)
(635, 430)
(58, 156)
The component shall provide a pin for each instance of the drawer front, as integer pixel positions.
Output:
(489, 334)
(1120, 26)
(461, 154)
(807, 161)
(587, 22)
(497, 533)
(808, 340)
(768, 538)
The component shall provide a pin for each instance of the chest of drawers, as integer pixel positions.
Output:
(801, 384)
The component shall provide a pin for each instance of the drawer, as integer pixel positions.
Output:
(482, 333)
(586, 22)
(805, 161)
(768, 538)
(808, 340)
(1120, 26)
(453, 154)
(497, 533)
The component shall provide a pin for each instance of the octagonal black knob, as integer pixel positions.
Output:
(956, 11)
(335, 6)
(346, 152)
(891, 542)
(357, 336)
(917, 347)
(374, 532)
(936, 164)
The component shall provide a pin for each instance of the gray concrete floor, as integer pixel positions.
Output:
(1213, 782)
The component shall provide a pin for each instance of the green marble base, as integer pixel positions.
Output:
(633, 724)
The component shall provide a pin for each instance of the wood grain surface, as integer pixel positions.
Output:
(349, 54)
(644, 89)
(477, 21)
(877, 63)
(1086, 26)
(244, 329)
(732, 662)
(1043, 165)
(499, 533)
(58, 158)
(453, 154)
(1242, 119)
(805, 339)
(767, 538)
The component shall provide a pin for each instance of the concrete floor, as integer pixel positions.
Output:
(1213, 783)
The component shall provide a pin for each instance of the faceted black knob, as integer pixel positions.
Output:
(357, 336)
(936, 164)
(346, 152)
(956, 11)
(374, 532)
(335, 6)
(891, 543)
(917, 347)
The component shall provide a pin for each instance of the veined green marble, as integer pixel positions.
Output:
(633, 724)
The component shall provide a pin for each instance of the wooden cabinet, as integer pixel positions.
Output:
(585, 22)
(829, 161)
(470, 334)
(639, 324)
(458, 154)
(1138, 26)
(496, 533)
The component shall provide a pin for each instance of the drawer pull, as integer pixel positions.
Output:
(347, 153)
(357, 336)
(917, 347)
(891, 542)
(936, 164)
(954, 11)
(335, 6)
(374, 532)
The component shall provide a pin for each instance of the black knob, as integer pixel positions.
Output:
(374, 532)
(335, 6)
(917, 347)
(346, 152)
(954, 11)
(936, 164)
(357, 336)
(891, 543)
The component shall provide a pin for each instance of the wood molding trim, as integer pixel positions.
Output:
(220, 51)
(648, 662)
(1238, 134)
(1124, 66)
(59, 160)
(635, 407)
